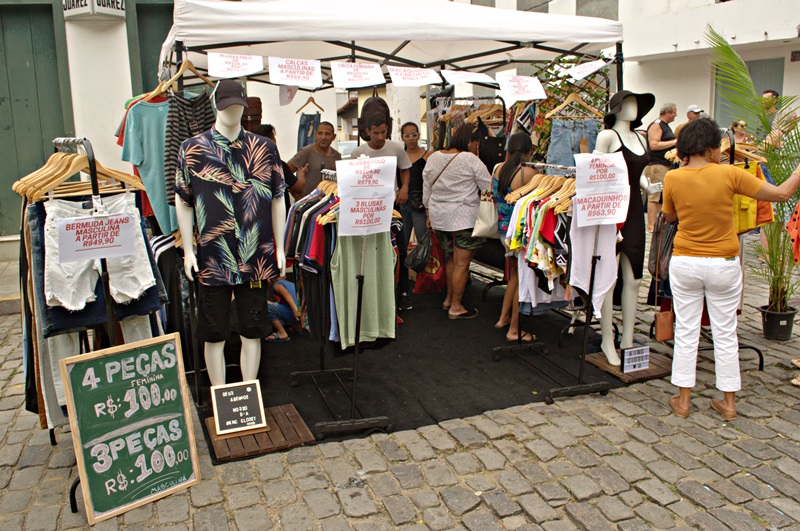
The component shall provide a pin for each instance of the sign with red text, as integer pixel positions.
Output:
(295, 72)
(366, 195)
(286, 94)
(583, 70)
(92, 237)
(229, 65)
(413, 77)
(462, 76)
(353, 75)
(520, 88)
(602, 190)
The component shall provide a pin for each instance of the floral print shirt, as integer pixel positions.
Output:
(231, 186)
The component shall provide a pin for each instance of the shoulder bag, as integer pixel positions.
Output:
(486, 222)
(664, 320)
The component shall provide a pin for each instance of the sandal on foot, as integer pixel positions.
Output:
(275, 338)
(445, 307)
(796, 381)
(796, 363)
(504, 325)
(527, 337)
(469, 314)
(676, 407)
(719, 407)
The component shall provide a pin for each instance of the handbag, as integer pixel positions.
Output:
(661, 247)
(486, 222)
(417, 259)
(433, 278)
(415, 200)
(664, 320)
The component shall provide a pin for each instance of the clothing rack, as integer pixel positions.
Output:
(580, 388)
(447, 101)
(357, 421)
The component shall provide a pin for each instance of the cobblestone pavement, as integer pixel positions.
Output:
(622, 461)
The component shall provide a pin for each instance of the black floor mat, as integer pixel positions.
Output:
(437, 369)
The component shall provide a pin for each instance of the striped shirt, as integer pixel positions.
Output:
(187, 117)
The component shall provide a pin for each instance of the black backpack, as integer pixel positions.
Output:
(373, 105)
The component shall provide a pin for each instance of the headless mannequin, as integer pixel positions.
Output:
(228, 124)
(608, 142)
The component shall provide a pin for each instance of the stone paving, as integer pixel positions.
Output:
(622, 461)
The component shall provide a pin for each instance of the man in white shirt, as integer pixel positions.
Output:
(378, 146)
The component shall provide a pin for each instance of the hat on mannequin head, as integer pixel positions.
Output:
(227, 93)
(644, 102)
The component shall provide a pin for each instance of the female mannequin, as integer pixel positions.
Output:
(626, 112)
(228, 125)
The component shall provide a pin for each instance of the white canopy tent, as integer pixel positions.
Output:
(418, 33)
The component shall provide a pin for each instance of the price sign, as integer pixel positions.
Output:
(366, 195)
(131, 425)
(91, 237)
(238, 407)
(602, 189)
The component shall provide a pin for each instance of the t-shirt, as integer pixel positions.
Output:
(316, 163)
(703, 200)
(231, 186)
(389, 149)
(145, 130)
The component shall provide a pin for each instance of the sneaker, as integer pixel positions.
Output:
(404, 302)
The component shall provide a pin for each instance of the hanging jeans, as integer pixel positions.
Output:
(307, 130)
(719, 282)
(565, 141)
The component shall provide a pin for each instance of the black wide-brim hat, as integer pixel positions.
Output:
(644, 102)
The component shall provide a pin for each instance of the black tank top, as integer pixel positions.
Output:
(415, 181)
(657, 156)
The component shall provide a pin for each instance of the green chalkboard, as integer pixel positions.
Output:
(131, 425)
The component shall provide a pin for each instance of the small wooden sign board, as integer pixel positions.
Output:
(238, 407)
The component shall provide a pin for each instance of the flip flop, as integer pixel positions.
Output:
(796, 363)
(275, 338)
(527, 337)
(445, 306)
(502, 326)
(469, 314)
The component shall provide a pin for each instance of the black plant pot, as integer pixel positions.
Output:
(777, 325)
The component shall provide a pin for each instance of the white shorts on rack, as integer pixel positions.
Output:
(72, 284)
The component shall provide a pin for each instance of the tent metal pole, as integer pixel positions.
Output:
(619, 59)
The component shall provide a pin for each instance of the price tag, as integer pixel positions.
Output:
(520, 88)
(230, 65)
(366, 195)
(295, 72)
(353, 75)
(131, 425)
(238, 407)
(413, 77)
(602, 191)
(101, 236)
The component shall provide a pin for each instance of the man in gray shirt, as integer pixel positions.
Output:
(316, 157)
(378, 146)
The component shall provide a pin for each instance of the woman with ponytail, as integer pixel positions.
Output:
(507, 177)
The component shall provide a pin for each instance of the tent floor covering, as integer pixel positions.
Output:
(437, 368)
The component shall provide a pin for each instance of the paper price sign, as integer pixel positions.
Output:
(583, 70)
(131, 424)
(229, 65)
(413, 77)
(353, 75)
(92, 237)
(366, 195)
(295, 72)
(520, 88)
(602, 190)
(462, 76)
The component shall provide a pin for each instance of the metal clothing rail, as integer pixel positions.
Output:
(542, 165)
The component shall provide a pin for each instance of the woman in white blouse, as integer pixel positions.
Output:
(452, 181)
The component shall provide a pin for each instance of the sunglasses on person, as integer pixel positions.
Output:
(410, 135)
(742, 125)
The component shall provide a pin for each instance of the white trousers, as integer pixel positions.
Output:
(719, 282)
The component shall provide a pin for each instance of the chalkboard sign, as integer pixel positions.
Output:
(131, 425)
(238, 407)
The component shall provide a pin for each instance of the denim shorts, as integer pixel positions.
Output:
(279, 311)
(565, 141)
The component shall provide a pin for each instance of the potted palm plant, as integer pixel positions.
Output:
(780, 145)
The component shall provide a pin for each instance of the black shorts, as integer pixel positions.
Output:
(214, 311)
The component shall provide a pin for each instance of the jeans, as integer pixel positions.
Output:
(413, 219)
(307, 129)
(719, 282)
(565, 139)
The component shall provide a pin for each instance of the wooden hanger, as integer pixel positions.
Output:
(740, 153)
(162, 87)
(312, 102)
(574, 98)
(525, 189)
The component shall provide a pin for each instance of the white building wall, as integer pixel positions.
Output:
(100, 77)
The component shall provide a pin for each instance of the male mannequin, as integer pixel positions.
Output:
(253, 251)
(625, 114)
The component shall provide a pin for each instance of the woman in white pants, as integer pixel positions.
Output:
(705, 258)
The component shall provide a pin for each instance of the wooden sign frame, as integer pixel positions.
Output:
(262, 424)
(68, 364)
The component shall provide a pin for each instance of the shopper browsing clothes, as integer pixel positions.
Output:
(507, 177)
(413, 211)
(283, 311)
(452, 181)
(705, 258)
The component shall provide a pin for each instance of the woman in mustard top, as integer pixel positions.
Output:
(705, 258)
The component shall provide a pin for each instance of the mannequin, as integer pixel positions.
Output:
(228, 124)
(625, 114)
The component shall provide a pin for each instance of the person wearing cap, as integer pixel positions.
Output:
(229, 183)
(693, 112)
(660, 139)
(626, 110)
